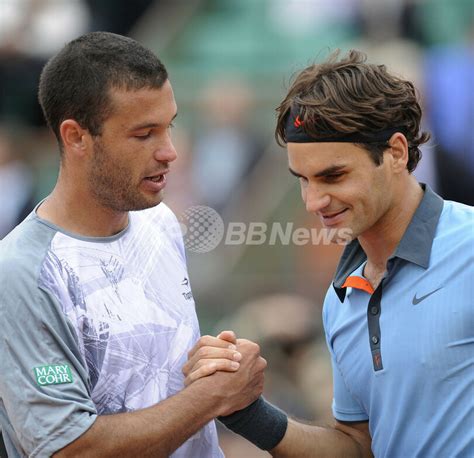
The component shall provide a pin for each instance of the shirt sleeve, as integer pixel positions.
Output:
(344, 406)
(44, 386)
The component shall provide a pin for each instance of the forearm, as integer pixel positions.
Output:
(308, 441)
(153, 432)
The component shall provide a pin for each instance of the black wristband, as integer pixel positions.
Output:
(261, 423)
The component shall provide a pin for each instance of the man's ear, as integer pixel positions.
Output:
(75, 139)
(399, 152)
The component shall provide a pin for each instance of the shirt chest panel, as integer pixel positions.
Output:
(433, 338)
(134, 314)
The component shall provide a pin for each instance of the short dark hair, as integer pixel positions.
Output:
(75, 83)
(347, 95)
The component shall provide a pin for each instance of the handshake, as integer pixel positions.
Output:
(231, 370)
(228, 374)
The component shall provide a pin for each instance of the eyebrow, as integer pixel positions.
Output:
(149, 125)
(328, 171)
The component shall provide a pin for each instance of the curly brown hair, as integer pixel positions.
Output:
(347, 95)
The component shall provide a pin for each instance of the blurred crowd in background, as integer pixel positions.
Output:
(229, 63)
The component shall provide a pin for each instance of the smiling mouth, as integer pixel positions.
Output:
(333, 218)
(332, 215)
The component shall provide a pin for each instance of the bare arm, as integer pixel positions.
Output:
(156, 431)
(159, 430)
(343, 440)
(300, 441)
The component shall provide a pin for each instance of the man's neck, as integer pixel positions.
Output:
(76, 211)
(381, 241)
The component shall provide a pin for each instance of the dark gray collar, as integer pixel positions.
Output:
(415, 245)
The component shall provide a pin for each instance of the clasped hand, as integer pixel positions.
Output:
(233, 368)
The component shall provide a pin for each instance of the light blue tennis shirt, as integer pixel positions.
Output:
(403, 355)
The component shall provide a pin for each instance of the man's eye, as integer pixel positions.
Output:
(334, 176)
(143, 136)
(303, 180)
(171, 125)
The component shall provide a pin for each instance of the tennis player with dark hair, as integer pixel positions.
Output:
(399, 316)
(97, 315)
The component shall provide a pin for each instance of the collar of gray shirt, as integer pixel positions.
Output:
(415, 245)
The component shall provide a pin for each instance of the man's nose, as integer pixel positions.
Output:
(166, 152)
(315, 199)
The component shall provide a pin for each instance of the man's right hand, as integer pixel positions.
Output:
(158, 430)
(211, 354)
(212, 361)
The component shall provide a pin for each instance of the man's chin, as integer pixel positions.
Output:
(136, 204)
(150, 203)
(342, 236)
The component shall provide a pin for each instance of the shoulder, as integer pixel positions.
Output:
(461, 212)
(24, 249)
(22, 254)
(456, 223)
(454, 238)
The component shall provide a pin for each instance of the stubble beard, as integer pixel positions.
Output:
(112, 184)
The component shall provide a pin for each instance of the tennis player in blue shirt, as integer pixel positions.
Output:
(399, 316)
